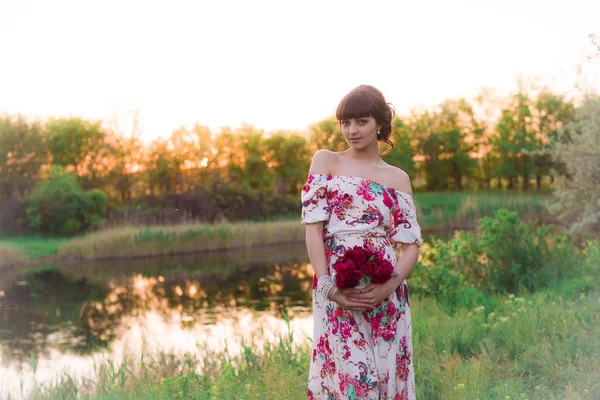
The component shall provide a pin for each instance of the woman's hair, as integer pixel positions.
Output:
(364, 101)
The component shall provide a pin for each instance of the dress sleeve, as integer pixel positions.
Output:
(405, 228)
(314, 199)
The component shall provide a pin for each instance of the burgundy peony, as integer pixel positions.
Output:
(383, 272)
(357, 262)
(359, 255)
(347, 274)
(369, 267)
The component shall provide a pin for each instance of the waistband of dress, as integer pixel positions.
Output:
(366, 234)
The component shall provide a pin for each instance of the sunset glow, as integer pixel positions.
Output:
(277, 65)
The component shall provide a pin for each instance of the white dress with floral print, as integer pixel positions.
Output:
(361, 355)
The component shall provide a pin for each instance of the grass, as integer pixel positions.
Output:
(544, 345)
(460, 210)
(34, 246)
(9, 257)
(153, 241)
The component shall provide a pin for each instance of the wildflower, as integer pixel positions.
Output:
(491, 315)
(520, 299)
(511, 296)
(506, 397)
(480, 308)
(582, 296)
(503, 319)
(461, 385)
(522, 309)
(470, 314)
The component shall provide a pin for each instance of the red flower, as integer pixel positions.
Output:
(359, 255)
(347, 274)
(370, 267)
(383, 272)
(357, 262)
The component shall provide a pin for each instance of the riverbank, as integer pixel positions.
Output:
(533, 347)
(438, 212)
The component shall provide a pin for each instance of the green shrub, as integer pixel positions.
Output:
(519, 255)
(59, 205)
(505, 255)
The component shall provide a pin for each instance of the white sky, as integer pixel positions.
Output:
(276, 64)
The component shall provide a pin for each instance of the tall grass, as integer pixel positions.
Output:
(153, 241)
(544, 345)
(10, 257)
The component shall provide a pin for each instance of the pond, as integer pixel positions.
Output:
(68, 317)
(62, 317)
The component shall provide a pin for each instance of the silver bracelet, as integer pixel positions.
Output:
(324, 286)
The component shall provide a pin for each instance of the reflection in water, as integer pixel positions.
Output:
(63, 317)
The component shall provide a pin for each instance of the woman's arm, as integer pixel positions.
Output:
(316, 248)
(320, 164)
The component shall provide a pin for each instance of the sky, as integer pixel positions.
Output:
(277, 64)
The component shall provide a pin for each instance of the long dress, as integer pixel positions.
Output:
(361, 355)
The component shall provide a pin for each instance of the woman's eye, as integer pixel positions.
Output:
(363, 121)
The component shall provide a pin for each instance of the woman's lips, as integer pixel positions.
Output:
(354, 140)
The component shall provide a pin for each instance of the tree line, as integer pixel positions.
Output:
(483, 143)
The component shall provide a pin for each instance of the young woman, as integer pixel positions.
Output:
(362, 343)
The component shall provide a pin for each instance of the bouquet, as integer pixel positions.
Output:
(361, 266)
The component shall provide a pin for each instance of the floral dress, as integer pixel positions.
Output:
(361, 355)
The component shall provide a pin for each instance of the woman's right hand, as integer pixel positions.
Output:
(340, 298)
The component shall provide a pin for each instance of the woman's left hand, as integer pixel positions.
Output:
(373, 293)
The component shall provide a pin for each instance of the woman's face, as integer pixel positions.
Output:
(360, 132)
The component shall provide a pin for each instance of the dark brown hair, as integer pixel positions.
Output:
(364, 101)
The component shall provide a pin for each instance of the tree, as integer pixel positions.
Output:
(515, 140)
(22, 155)
(326, 134)
(161, 167)
(80, 146)
(553, 113)
(448, 138)
(59, 205)
(125, 160)
(487, 108)
(578, 194)
(460, 134)
(596, 43)
(289, 157)
(227, 159)
(257, 174)
(403, 153)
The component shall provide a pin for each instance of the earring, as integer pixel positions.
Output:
(378, 131)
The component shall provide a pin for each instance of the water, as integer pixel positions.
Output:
(64, 318)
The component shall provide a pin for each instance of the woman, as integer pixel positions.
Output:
(362, 344)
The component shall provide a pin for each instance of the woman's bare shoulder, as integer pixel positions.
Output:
(323, 161)
(399, 179)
